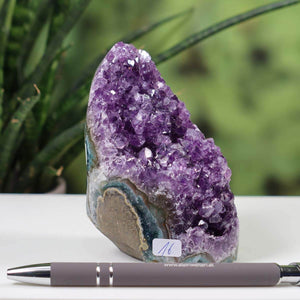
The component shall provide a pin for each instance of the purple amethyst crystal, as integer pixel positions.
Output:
(151, 169)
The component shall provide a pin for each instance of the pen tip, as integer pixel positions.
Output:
(37, 274)
(10, 272)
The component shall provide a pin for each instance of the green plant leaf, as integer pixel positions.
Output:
(6, 13)
(90, 70)
(22, 18)
(30, 141)
(1, 108)
(51, 153)
(39, 21)
(48, 177)
(72, 153)
(60, 11)
(211, 30)
(55, 44)
(81, 87)
(8, 139)
(42, 109)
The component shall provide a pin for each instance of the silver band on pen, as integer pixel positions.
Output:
(111, 275)
(98, 275)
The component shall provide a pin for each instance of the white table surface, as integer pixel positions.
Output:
(44, 228)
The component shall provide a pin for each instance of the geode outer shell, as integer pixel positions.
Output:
(151, 172)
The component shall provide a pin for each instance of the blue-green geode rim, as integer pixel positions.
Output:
(151, 226)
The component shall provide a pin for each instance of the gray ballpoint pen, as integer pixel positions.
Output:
(157, 274)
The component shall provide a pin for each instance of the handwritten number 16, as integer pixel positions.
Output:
(166, 247)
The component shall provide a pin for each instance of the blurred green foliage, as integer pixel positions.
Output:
(241, 85)
(41, 122)
(32, 36)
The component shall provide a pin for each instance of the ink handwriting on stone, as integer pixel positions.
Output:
(143, 133)
(166, 246)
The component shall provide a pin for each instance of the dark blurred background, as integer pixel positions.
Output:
(241, 86)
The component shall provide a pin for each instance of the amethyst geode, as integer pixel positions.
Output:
(151, 172)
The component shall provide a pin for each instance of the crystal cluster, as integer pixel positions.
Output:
(145, 154)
